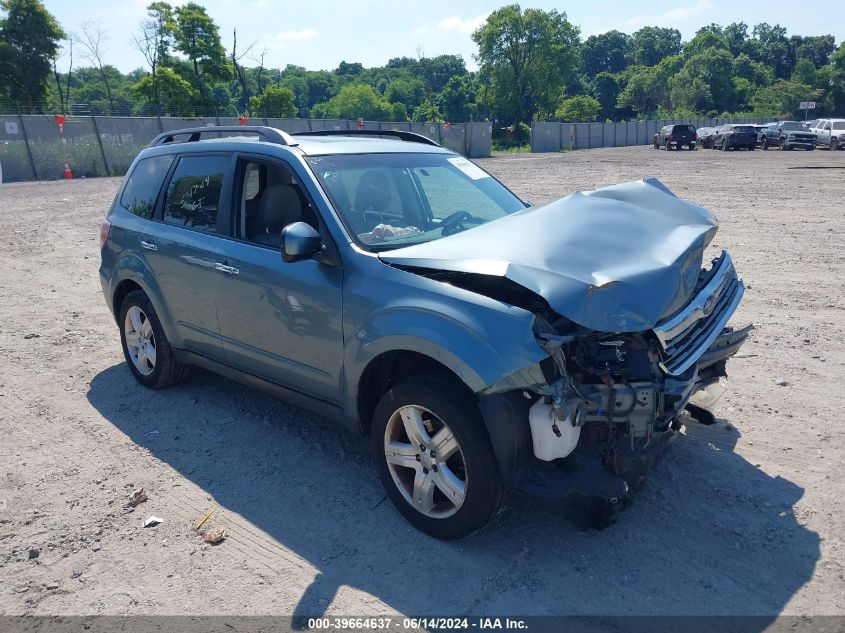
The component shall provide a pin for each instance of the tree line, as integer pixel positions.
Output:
(533, 65)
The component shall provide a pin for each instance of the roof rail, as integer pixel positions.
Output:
(269, 134)
(411, 137)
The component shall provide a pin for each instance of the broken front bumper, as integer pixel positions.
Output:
(596, 479)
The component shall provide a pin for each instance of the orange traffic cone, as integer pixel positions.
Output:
(68, 172)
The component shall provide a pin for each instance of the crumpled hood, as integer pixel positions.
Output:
(617, 259)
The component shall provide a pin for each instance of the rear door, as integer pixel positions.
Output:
(182, 246)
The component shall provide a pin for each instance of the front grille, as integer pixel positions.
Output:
(688, 334)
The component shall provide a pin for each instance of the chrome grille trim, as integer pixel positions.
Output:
(687, 335)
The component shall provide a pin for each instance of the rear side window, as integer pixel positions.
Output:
(142, 187)
(193, 196)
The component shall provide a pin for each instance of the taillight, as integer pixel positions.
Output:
(669, 137)
(105, 227)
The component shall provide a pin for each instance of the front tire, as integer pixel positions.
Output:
(145, 346)
(434, 457)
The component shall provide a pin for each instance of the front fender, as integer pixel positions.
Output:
(479, 349)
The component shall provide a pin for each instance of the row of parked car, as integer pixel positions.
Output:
(785, 135)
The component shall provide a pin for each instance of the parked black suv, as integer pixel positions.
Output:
(735, 136)
(675, 136)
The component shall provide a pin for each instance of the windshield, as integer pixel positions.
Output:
(792, 125)
(744, 129)
(393, 200)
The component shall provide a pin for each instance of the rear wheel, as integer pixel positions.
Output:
(834, 144)
(668, 146)
(145, 345)
(724, 146)
(656, 144)
(434, 457)
(764, 144)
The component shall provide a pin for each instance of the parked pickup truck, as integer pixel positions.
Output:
(787, 135)
(829, 133)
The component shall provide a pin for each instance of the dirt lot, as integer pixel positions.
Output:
(742, 518)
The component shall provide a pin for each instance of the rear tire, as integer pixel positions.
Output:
(834, 145)
(764, 145)
(668, 146)
(430, 412)
(145, 347)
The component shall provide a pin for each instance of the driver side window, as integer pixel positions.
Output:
(270, 198)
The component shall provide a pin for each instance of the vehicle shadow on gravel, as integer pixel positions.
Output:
(711, 533)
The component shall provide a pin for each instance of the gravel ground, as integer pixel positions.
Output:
(745, 517)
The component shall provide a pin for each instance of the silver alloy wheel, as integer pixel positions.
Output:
(140, 340)
(425, 461)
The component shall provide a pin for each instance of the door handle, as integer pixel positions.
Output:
(223, 268)
(148, 245)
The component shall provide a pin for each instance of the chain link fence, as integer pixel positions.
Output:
(34, 147)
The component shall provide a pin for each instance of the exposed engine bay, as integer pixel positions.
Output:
(635, 327)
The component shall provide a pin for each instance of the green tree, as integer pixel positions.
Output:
(605, 88)
(29, 41)
(651, 44)
(410, 91)
(154, 42)
(168, 90)
(276, 102)
(456, 100)
(835, 75)
(705, 40)
(428, 112)
(531, 55)
(198, 38)
(398, 112)
(580, 108)
(754, 72)
(608, 53)
(817, 49)
(354, 101)
(706, 82)
(736, 35)
(648, 88)
(774, 49)
(805, 72)
(436, 71)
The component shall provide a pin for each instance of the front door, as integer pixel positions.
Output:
(280, 321)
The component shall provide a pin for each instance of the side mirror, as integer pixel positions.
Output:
(300, 241)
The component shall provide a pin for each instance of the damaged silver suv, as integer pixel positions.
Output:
(388, 283)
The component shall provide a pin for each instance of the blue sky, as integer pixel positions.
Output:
(318, 35)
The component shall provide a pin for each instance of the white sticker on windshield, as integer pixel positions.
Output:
(470, 169)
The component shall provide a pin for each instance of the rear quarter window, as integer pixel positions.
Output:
(143, 185)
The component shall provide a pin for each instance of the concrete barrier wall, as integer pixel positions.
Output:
(553, 136)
